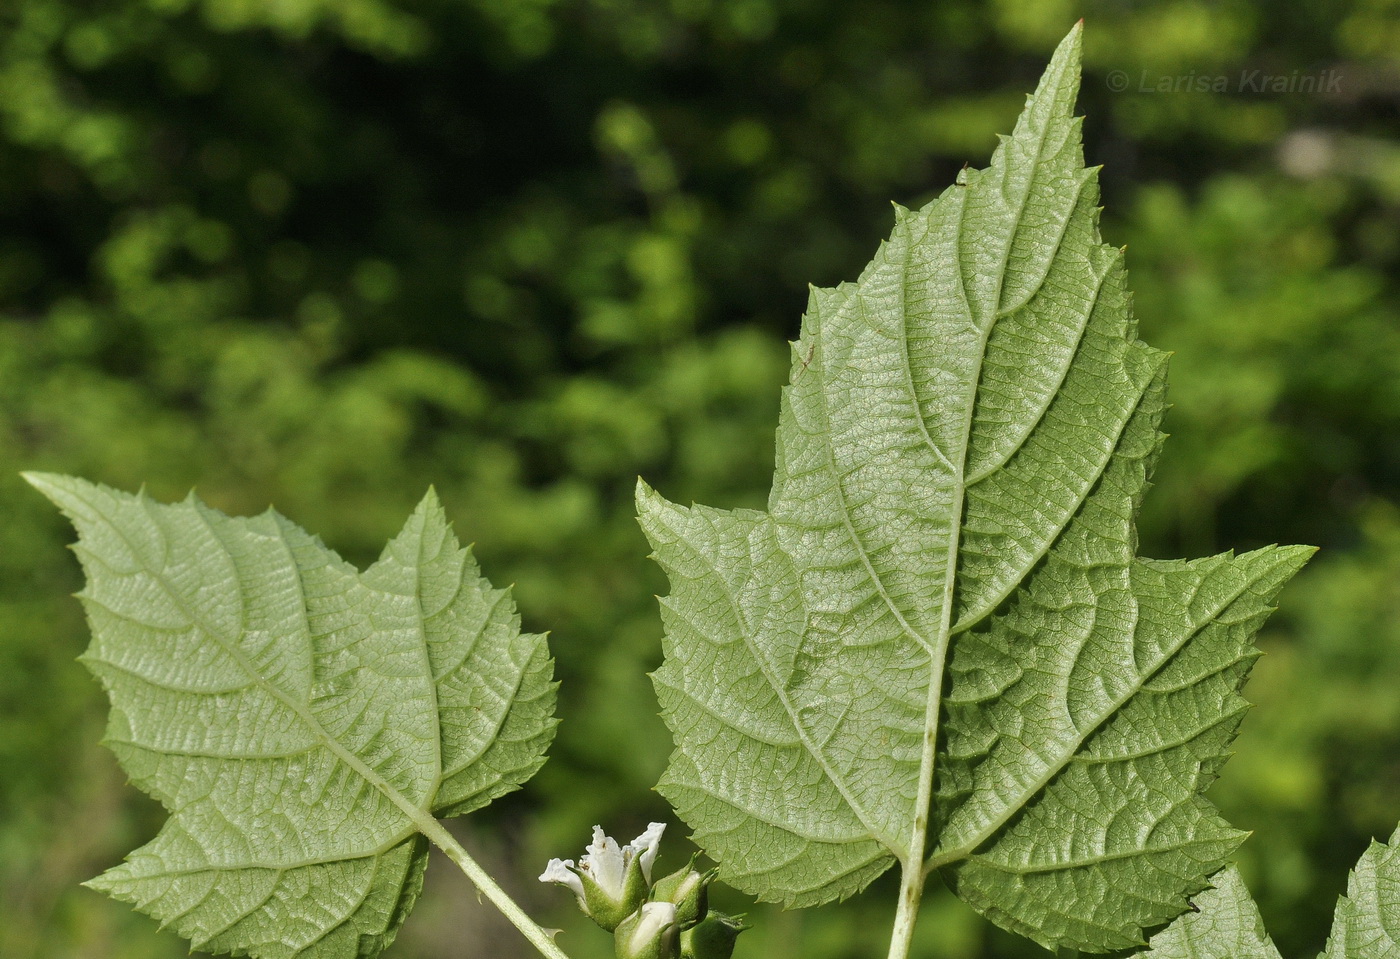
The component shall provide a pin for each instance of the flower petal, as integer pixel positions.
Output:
(561, 871)
(646, 845)
(605, 862)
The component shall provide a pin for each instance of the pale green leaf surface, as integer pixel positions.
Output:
(1224, 924)
(1367, 922)
(948, 556)
(290, 712)
(1082, 727)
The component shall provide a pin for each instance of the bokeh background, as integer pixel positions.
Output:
(323, 253)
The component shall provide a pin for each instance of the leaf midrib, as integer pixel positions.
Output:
(938, 664)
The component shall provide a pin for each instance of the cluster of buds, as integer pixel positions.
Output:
(667, 919)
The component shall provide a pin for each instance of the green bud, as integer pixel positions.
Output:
(608, 907)
(689, 890)
(649, 933)
(713, 938)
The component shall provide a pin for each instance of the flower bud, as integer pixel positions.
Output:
(689, 890)
(608, 902)
(713, 938)
(610, 881)
(649, 933)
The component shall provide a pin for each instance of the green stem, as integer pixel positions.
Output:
(532, 931)
(911, 882)
(911, 890)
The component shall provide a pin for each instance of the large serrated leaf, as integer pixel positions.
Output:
(294, 715)
(945, 580)
(1367, 923)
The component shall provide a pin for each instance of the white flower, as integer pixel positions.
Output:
(606, 862)
(610, 881)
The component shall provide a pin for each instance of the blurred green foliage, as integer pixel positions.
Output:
(323, 253)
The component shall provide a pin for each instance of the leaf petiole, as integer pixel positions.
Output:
(531, 930)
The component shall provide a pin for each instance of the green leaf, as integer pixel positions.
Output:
(936, 646)
(1223, 924)
(295, 716)
(1367, 922)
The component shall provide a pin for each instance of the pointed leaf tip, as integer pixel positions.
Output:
(54, 486)
(1062, 73)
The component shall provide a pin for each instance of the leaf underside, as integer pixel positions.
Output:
(289, 712)
(1226, 924)
(1367, 922)
(948, 556)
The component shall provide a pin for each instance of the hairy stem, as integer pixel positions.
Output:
(911, 890)
(530, 929)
